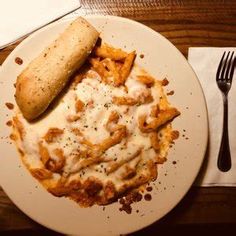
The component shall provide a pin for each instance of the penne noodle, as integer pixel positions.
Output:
(126, 68)
(52, 133)
(163, 117)
(116, 165)
(111, 65)
(41, 173)
(115, 138)
(124, 101)
(106, 51)
(146, 79)
(100, 69)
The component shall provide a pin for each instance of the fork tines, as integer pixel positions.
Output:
(226, 67)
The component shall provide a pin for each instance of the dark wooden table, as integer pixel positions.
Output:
(186, 24)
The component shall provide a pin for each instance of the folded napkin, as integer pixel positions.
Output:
(19, 18)
(205, 62)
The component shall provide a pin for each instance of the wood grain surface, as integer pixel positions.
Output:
(186, 24)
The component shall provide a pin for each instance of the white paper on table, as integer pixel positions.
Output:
(20, 17)
(205, 62)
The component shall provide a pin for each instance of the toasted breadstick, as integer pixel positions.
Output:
(45, 77)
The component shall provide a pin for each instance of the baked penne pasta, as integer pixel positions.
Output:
(107, 135)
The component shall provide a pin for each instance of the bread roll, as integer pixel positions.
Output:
(46, 75)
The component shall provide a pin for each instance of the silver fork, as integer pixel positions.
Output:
(224, 78)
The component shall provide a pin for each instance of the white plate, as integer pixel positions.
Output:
(162, 60)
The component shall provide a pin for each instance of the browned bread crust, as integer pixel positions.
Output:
(45, 76)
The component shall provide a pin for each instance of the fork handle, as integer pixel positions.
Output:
(224, 157)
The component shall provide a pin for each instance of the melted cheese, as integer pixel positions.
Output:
(97, 98)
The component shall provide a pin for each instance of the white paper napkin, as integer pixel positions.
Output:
(21, 17)
(205, 62)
